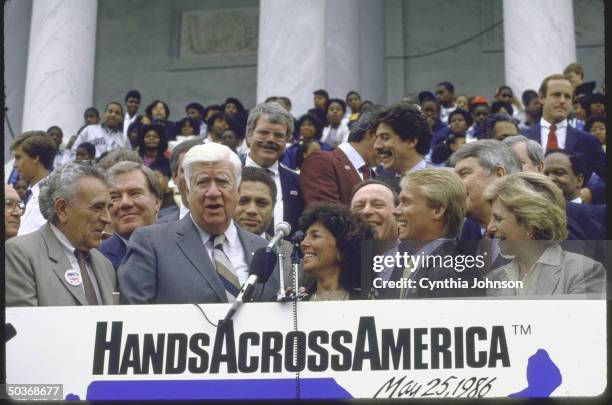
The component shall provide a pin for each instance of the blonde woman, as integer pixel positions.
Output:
(528, 220)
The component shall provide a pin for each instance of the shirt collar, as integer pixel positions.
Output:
(558, 125)
(352, 154)
(551, 255)
(419, 166)
(251, 163)
(231, 233)
(183, 210)
(63, 239)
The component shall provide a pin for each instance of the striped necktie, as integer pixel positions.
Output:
(224, 268)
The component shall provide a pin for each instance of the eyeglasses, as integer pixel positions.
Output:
(263, 134)
(10, 205)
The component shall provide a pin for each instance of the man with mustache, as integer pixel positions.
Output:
(204, 257)
(268, 128)
(135, 200)
(332, 175)
(59, 265)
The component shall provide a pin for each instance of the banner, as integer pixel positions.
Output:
(350, 349)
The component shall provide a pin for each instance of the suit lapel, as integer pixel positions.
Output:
(189, 242)
(570, 138)
(60, 264)
(346, 164)
(105, 285)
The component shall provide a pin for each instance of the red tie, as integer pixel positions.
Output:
(552, 138)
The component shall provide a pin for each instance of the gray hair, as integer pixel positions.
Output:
(276, 115)
(126, 167)
(490, 154)
(535, 153)
(118, 155)
(61, 183)
(211, 152)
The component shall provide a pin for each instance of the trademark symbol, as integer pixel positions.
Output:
(522, 330)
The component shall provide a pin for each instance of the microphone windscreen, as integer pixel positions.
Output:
(262, 264)
(283, 227)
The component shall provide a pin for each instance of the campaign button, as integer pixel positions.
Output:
(73, 277)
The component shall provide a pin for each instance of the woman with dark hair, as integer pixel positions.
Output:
(152, 144)
(337, 130)
(158, 112)
(597, 126)
(332, 251)
(502, 107)
(309, 130)
(217, 123)
(232, 106)
(187, 127)
(459, 121)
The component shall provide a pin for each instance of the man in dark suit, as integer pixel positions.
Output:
(58, 264)
(135, 197)
(269, 126)
(178, 178)
(331, 176)
(204, 257)
(430, 212)
(553, 130)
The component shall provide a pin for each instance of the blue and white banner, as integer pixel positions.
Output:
(352, 349)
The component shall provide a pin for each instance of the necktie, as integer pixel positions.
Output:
(224, 268)
(27, 196)
(365, 170)
(90, 294)
(551, 143)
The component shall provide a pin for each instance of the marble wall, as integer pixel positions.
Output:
(155, 47)
(476, 66)
(17, 14)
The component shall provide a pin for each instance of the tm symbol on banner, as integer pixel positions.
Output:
(522, 330)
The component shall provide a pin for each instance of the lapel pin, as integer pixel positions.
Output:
(347, 167)
(73, 277)
(293, 192)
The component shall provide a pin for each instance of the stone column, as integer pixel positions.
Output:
(61, 55)
(539, 40)
(313, 44)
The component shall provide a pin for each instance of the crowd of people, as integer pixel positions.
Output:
(140, 209)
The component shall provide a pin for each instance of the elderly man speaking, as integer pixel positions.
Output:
(204, 257)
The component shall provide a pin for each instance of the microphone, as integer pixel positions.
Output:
(281, 230)
(261, 267)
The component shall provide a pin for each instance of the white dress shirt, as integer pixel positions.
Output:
(354, 157)
(127, 121)
(560, 131)
(273, 172)
(32, 218)
(183, 211)
(74, 262)
(232, 247)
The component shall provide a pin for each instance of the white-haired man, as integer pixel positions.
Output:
(204, 257)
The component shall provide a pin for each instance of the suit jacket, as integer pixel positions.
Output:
(293, 204)
(114, 250)
(168, 264)
(328, 176)
(174, 216)
(433, 272)
(556, 272)
(582, 143)
(35, 265)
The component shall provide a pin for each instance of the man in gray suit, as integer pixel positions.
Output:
(204, 257)
(58, 264)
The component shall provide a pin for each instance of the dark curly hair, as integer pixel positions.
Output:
(349, 230)
(486, 130)
(316, 122)
(409, 123)
(163, 141)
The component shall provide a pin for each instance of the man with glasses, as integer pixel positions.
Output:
(13, 208)
(268, 129)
